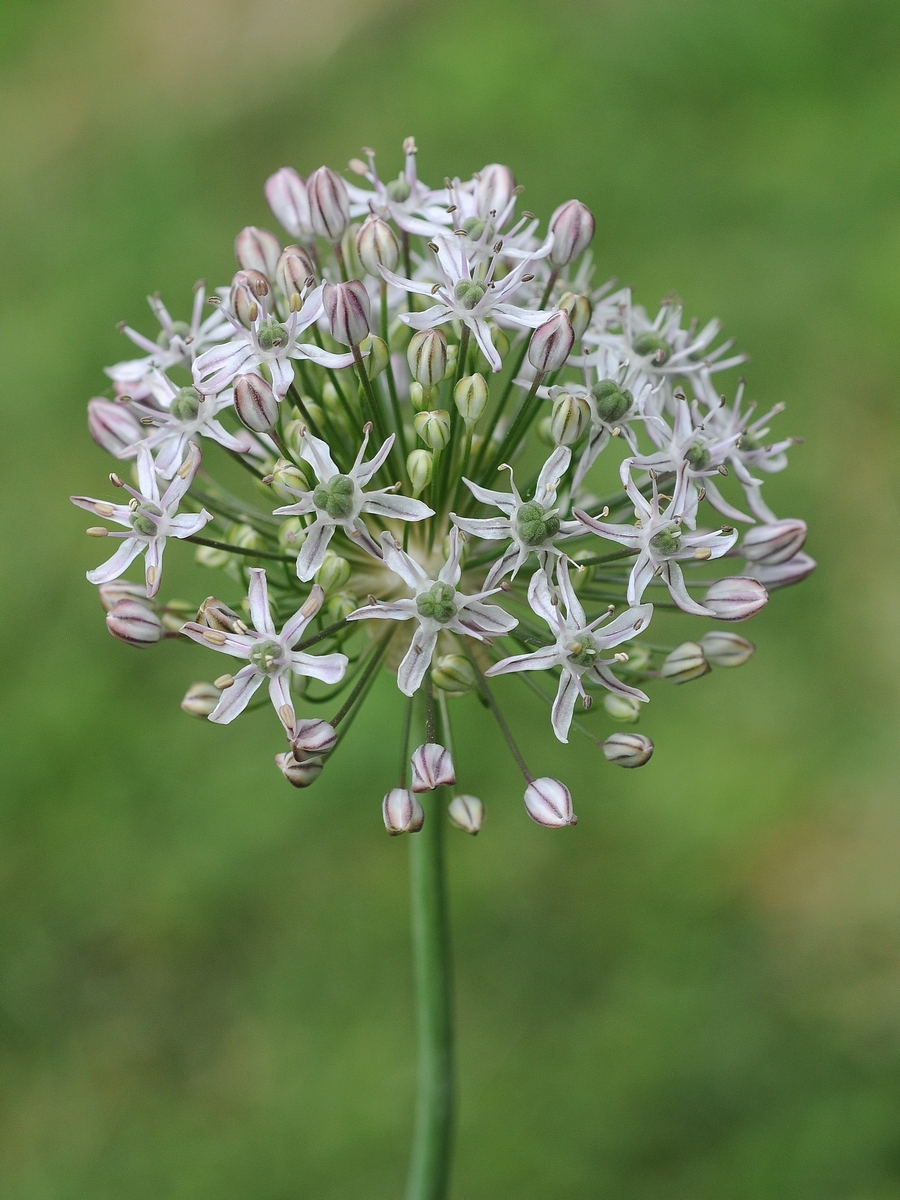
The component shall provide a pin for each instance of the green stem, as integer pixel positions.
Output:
(202, 541)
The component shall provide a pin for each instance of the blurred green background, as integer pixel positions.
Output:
(204, 975)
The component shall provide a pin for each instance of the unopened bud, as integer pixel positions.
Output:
(288, 200)
(432, 767)
(736, 598)
(333, 573)
(257, 250)
(134, 622)
(626, 709)
(569, 420)
(453, 673)
(122, 589)
(724, 649)
(427, 356)
(471, 396)
(201, 699)
(433, 428)
(579, 311)
(255, 403)
(300, 774)
(352, 263)
(572, 227)
(348, 310)
(782, 574)
(329, 204)
(113, 427)
(422, 398)
(244, 535)
(287, 479)
(628, 749)
(775, 543)
(339, 606)
(551, 343)
(377, 246)
(402, 812)
(313, 737)
(494, 188)
(378, 355)
(686, 662)
(549, 803)
(246, 290)
(419, 467)
(466, 813)
(215, 615)
(291, 536)
(293, 271)
(174, 613)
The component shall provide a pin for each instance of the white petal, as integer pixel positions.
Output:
(258, 595)
(416, 662)
(120, 561)
(236, 698)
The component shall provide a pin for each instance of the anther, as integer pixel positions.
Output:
(115, 480)
(215, 637)
(97, 531)
(223, 682)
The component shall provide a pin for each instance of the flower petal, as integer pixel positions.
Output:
(236, 698)
(120, 561)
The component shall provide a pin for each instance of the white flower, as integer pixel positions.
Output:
(410, 204)
(184, 415)
(436, 605)
(338, 500)
(577, 648)
(531, 525)
(271, 656)
(149, 519)
(178, 343)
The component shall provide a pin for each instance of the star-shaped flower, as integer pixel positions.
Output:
(410, 204)
(178, 342)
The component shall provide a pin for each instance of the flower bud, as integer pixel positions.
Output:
(549, 803)
(579, 311)
(377, 246)
(291, 536)
(628, 749)
(453, 673)
(255, 403)
(288, 200)
(686, 662)
(551, 343)
(174, 613)
(113, 427)
(378, 355)
(433, 428)
(329, 204)
(402, 812)
(775, 543)
(287, 480)
(422, 398)
(572, 227)
(215, 615)
(134, 622)
(244, 535)
(611, 401)
(466, 813)
(339, 606)
(432, 768)
(201, 699)
(494, 188)
(736, 598)
(638, 656)
(626, 709)
(313, 737)
(300, 774)
(293, 271)
(123, 589)
(782, 574)
(471, 396)
(427, 356)
(333, 573)
(419, 466)
(257, 250)
(725, 649)
(247, 288)
(352, 263)
(348, 310)
(209, 556)
(569, 420)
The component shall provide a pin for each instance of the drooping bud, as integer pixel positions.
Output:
(255, 403)
(300, 774)
(134, 622)
(123, 589)
(113, 427)
(313, 737)
(611, 401)
(471, 396)
(569, 419)
(293, 271)
(782, 574)
(201, 699)
(686, 662)
(378, 355)
(377, 246)
(419, 467)
(432, 768)
(549, 803)
(628, 749)
(329, 204)
(551, 343)
(257, 250)
(466, 813)
(288, 200)
(579, 311)
(736, 599)
(572, 227)
(348, 310)
(626, 709)
(453, 673)
(402, 812)
(427, 356)
(775, 543)
(725, 649)
(333, 573)
(433, 428)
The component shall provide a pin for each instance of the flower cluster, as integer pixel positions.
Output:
(474, 350)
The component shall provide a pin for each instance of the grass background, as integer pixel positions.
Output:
(204, 975)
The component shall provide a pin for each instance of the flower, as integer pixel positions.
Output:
(182, 416)
(178, 342)
(270, 656)
(406, 201)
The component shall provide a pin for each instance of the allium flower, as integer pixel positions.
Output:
(177, 344)
(183, 415)
(409, 203)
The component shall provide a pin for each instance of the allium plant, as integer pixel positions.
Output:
(490, 373)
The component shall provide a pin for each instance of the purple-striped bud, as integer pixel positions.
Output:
(549, 803)
(782, 574)
(255, 403)
(247, 288)
(402, 812)
(123, 589)
(572, 227)
(628, 749)
(432, 767)
(134, 622)
(551, 343)
(293, 271)
(329, 204)
(300, 774)
(466, 813)
(579, 311)
(288, 200)
(725, 649)
(494, 187)
(201, 699)
(377, 246)
(257, 250)
(736, 598)
(348, 311)
(775, 543)
(113, 427)
(427, 356)
(686, 662)
(313, 737)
